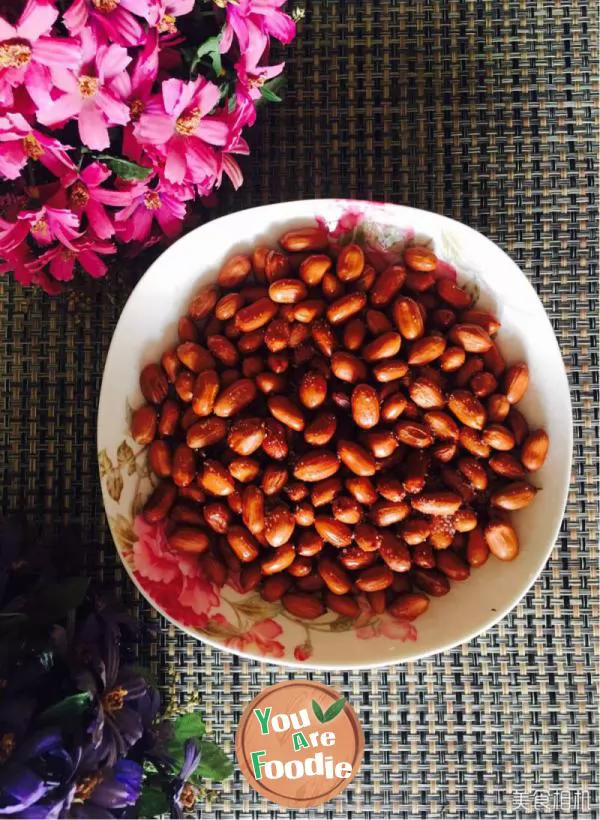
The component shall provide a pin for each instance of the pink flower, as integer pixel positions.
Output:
(134, 87)
(165, 203)
(86, 250)
(22, 263)
(255, 19)
(303, 651)
(26, 51)
(177, 123)
(163, 14)
(86, 196)
(19, 142)
(112, 19)
(45, 226)
(368, 625)
(262, 635)
(90, 98)
(173, 580)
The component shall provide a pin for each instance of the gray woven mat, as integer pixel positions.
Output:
(485, 111)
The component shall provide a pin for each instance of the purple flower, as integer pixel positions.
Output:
(125, 705)
(34, 773)
(183, 794)
(97, 794)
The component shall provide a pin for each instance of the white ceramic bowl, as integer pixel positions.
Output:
(247, 624)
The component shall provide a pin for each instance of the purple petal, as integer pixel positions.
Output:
(191, 758)
(20, 788)
(119, 788)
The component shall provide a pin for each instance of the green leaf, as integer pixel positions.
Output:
(318, 712)
(342, 624)
(334, 710)
(214, 763)
(269, 91)
(208, 50)
(153, 802)
(267, 94)
(187, 726)
(57, 599)
(124, 168)
(67, 712)
(256, 609)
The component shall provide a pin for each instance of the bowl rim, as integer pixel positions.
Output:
(416, 656)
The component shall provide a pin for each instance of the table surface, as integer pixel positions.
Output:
(486, 112)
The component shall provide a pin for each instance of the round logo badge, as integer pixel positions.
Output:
(299, 743)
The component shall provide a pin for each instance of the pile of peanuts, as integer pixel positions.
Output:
(324, 430)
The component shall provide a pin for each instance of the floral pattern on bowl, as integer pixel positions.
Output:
(245, 623)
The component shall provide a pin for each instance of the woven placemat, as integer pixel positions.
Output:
(484, 111)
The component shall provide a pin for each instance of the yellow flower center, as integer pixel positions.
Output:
(66, 255)
(167, 24)
(188, 797)
(7, 744)
(136, 108)
(41, 226)
(32, 147)
(88, 86)
(187, 123)
(79, 195)
(152, 201)
(14, 55)
(114, 700)
(256, 82)
(85, 787)
(105, 6)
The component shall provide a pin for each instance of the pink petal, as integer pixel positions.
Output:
(75, 17)
(38, 82)
(177, 95)
(400, 630)
(92, 128)
(239, 27)
(92, 264)
(176, 166)
(207, 98)
(280, 26)
(146, 64)
(114, 198)
(201, 161)
(257, 44)
(171, 225)
(154, 128)
(12, 161)
(116, 112)
(142, 225)
(226, 39)
(180, 7)
(37, 18)
(213, 130)
(139, 7)
(64, 79)
(64, 108)
(233, 171)
(112, 61)
(121, 85)
(266, 630)
(52, 52)
(95, 174)
(122, 26)
(99, 220)
(62, 268)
